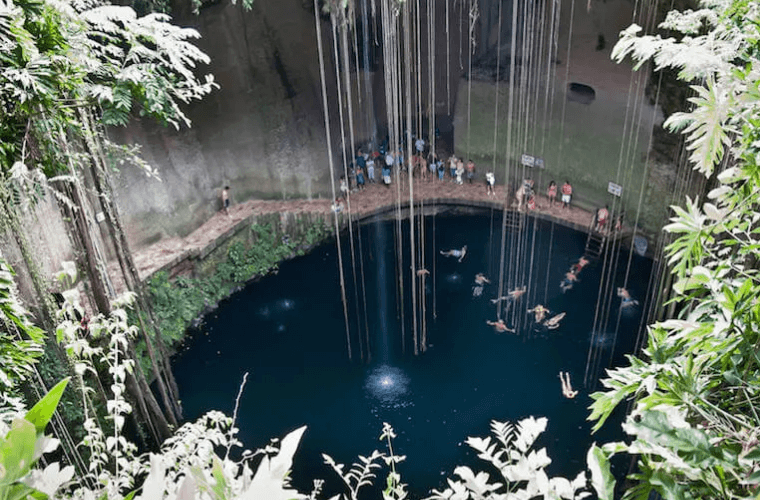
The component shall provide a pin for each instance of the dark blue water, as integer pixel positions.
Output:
(288, 332)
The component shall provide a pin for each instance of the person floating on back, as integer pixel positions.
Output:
(567, 388)
(553, 322)
(500, 326)
(512, 295)
(458, 253)
(540, 313)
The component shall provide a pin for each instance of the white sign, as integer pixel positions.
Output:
(540, 163)
(615, 189)
(527, 160)
(100, 216)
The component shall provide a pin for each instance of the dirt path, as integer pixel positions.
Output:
(154, 257)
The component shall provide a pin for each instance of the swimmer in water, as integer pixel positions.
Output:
(500, 326)
(553, 322)
(457, 252)
(626, 299)
(481, 279)
(570, 279)
(477, 290)
(578, 266)
(422, 273)
(540, 313)
(567, 389)
(513, 295)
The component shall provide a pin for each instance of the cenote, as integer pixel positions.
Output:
(288, 332)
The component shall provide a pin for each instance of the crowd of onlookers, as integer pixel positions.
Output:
(381, 165)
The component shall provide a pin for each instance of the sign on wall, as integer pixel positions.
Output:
(531, 161)
(615, 189)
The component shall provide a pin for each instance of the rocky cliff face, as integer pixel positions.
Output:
(262, 132)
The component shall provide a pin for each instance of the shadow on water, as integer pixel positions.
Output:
(288, 331)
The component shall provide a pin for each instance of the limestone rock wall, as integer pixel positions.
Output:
(262, 132)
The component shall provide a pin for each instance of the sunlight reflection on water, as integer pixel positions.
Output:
(389, 386)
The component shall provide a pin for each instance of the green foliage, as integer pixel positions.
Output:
(177, 303)
(521, 469)
(696, 385)
(21, 447)
(42, 412)
(60, 61)
(20, 340)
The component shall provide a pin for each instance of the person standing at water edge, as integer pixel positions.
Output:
(360, 177)
(226, 200)
(490, 181)
(371, 170)
(551, 193)
(601, 218)
(567, 194)
(470, 171)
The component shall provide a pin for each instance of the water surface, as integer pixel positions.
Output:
(287, 331)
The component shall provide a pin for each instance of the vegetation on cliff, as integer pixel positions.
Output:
(695, 388)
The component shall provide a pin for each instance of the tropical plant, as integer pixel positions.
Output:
(68, 70)
(521, 469)
(20, 340)
(696, 385)
(22, 444)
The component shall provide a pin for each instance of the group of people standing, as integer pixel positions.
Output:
(525, 196)
(378, 166)
(602, 217)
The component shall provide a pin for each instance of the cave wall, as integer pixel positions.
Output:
(262, 132)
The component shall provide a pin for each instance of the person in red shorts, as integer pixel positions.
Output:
(601, 218)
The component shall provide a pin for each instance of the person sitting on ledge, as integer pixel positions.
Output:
(540, 313)
(457, 253)
(626, 299)
(567, 388)
(500, 326)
